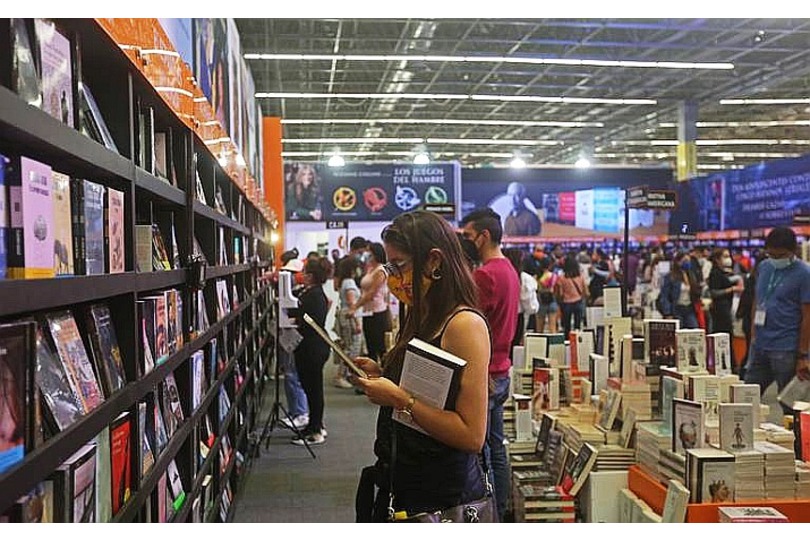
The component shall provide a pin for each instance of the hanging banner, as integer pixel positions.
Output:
(368, 191)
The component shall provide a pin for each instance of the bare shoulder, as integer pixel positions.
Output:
(466, 324)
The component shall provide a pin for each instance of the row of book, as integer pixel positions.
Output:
(54, 225)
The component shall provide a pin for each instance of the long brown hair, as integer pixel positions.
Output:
(415, 234)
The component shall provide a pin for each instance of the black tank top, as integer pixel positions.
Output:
(428, 474)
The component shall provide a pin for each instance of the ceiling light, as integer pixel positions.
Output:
(496, 142)
(582, 163)
(491, 59)
(517, 163)
(355, 140)
(474, 97)
(396, 140)
(421, 159)
(765, 101)
(715, 142)
(755, 123)
(444, 122)
(336, 161)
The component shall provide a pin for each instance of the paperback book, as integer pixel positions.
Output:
(92, 122)
(70, 347)
(687, 426)
(545, 390)
(581, 349)
(57, 71)
(63, 230)
(660, 341)
(63, 406)
(747, 393)
(736, 427)
(74, 487)
(718, 354)
(710, 475)
(17, 361)
(77, 226)
(577, 472)
(24, 70)
(106, 352)
(95, 261)
(691, 345)
(121, 459)
(31, 231)
(115, 231)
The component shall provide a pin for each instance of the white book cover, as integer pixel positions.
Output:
(706, 389)
(687, 426)
(612, 297)
(691, 345)
(716, 481)
(523, 416)
(718, 353)
(675, 503)
(616, 328)
(747, 393)
(519, 358)
(598, 373)
(736, 427)
(584, 348)
(595, 316)
(751, 514)
(534, 347)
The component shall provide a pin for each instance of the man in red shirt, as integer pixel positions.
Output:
(498, 299)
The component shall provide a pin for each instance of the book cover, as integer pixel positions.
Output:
(175, 485)
(535, 347)
(610, 410)
(63, 406)
(691, 346)
(161, 148)
(577, 472)
(143, 248)
(94, 125)
(77, 226)
(716, 480)
(104, 512)
(747, 393)
(115, 231)
(223, 303)
(626, 362)
(598, 372)
(94, 228)
(628, 425)
(160, 256)
(158, 427)
(17, 358)
(31, 231)
(176, 262)
(83, 485)
(24, 70)
(146, 356)
(580, 353)
(57, 71)
(73, 355)
(612, 302)
(615, 329)
(555, 349)
(706, 389)
(671, 389)
(171, 320)
(121, 459)
(4, 161)
(751, 514)
(660, 340)
(104, 344)
(173, 399)
(432, 376)
(545, 391)
(161, 332)
(165, 405)
(687, 426)
(736, 427)
(197, 378)
(147, 456)
(718, 354)
(63, 231)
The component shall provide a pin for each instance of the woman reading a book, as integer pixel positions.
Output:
(428, 273)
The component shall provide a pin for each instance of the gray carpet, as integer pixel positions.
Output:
(285, 485)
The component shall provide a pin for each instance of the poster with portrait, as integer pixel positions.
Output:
(564, 202)
(204, 55)
(234, 85)
(368, 191)
(220, 89)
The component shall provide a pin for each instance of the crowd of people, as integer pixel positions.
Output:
(465, 293)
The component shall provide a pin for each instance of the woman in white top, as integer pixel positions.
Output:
(374, 303)
(529, 304)
(347, 322)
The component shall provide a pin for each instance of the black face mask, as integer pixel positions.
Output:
(469, 249)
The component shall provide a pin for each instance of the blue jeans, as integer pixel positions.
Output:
(296, 398)
(686, 315)
(494, 449)
(765, 367)
(572, 310)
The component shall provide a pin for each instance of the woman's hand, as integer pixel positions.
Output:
(383, 392)
(368, 365)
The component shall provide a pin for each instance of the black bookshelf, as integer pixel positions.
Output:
(119, 89)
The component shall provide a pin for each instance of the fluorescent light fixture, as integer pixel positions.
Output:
(403, 154)
(582, 163)
(517, 163)
(715, 142)
(474, 97)
(496, 142)
(491, 59)
(396, 140)
(765, 101)
(443, 122)
(755, 123)
(356, 140)
(717, 167)
(336, 161)
(421, 159)
(671, 154)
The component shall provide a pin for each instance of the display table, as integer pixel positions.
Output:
(598, 497)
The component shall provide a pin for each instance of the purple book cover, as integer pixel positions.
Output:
(32, 211)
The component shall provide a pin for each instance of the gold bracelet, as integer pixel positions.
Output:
(408, 409)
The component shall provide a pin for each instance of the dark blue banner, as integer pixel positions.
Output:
(367, 192)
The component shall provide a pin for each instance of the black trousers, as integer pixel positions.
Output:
(310, 373)
(722, 322)
(374, 328)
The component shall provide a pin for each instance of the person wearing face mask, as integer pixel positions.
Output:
(498, 298)
(780, 333)
(723, 285)
(679, 292)
(427, 271)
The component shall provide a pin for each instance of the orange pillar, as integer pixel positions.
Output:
(274, 174)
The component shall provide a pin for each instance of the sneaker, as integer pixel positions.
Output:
(299, 421)
(340, 382)
(312, 439)
(324, 433)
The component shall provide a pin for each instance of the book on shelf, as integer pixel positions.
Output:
(70, 348)
(223, 247)
(675, 503)
(161, 501)
(74, 487)
(170, 405)
(25, 79)
(172, 326)
(198, 382)
(104, 344)
(94, 195)
(224, 405)
(147, 457)
(160, 255)
(736, 427)
(687, 425)
(747, 393)
(17, 361)
(114, 231)
(63, 406)
(143, 248)
(750, 514)
(104, 500)
(661, 342)
(219, 202)
(200, 193)
(691, 347)
(4, 211)
(615, 329)
(77, 226)
(545, 389)
(223, 303)
(57, 71)
(175, 485)
(161, 156)
(62, 234)
(147, 358)
(577, 472)
(176, 263)
(718, 353)
(121, 460)
(31, 231)
(161, 329)
(612, 306)
(432, 376)
(581, 347)
(710, 475)
(547, 423)
(632, 348)
(91, 120)
(155, 426)
(671, 389)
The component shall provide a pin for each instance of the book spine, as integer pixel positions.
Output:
(16, 253)
(108, 257)
(3, 217)
(77, 221)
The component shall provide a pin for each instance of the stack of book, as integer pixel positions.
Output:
(778, 435)
(636, 396)
(672, 465)
(780, 470)
(651, 438)
(749, 476)
(611, 457)
(576, 434)
(802, 477)
(710, 475)
(750, 514)
(544, 505)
